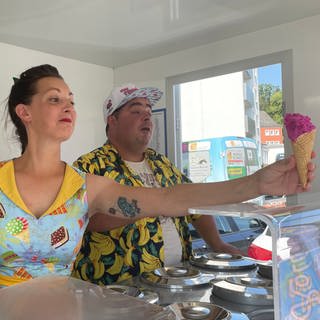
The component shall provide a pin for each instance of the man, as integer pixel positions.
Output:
(127, 249)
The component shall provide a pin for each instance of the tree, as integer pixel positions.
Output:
(265, 92)
(275, 108)
(270, 100)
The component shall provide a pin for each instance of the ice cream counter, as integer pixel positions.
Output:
(286, 289)
(296, 274)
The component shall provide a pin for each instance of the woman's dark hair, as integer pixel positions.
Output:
(22, 91)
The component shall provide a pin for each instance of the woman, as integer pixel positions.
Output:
(45, 204)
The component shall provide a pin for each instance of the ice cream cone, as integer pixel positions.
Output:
(50, 266)
(22, 273)
(302, 149)
(18, 227)
(24, 236)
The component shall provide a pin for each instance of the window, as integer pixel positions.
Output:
(246, 224)
(223, 225)
(205, 104)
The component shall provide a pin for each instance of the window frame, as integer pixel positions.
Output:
(172, 93)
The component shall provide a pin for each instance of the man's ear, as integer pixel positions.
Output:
(111, 120)
(23, 113)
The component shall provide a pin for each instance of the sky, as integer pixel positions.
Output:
(270, 74)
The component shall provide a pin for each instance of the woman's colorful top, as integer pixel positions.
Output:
(32, 247)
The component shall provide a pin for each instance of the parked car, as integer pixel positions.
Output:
(237, 231)
(280, 156)
(261, 247)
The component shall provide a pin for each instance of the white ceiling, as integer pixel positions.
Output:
(113, 33)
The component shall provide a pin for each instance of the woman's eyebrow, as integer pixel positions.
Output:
(57, 89)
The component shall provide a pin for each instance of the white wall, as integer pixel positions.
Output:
(89, 83)
(301, 37)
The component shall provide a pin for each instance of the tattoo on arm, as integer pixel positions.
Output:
(128, 209)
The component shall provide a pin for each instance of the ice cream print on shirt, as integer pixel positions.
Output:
(19, 228)
(2, 211)
(59, 237)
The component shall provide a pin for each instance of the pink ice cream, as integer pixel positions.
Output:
(302, 134)
(297, 124)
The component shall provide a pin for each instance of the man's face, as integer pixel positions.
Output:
(132, 125)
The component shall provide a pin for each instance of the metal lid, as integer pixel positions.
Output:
(128, 290)
(232, 306)
(265, 269)
(133, 291)
(199, 311)
(149, 296)
(176, 277)
(245, 290)
(263, 314)
(250, 310)
(222, 261)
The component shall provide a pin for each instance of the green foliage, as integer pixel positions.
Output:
(270, 100)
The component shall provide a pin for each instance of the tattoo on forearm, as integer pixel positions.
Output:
(112, 210)
(128, 209)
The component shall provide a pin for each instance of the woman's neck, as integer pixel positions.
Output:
(39, 161)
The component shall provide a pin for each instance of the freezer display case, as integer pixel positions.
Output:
(295, 224)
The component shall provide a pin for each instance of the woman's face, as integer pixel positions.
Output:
(51, 114)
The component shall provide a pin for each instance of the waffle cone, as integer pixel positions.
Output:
(302, 149)
(24, 236)
(50, 266)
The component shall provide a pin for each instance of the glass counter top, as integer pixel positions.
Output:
(296, 275)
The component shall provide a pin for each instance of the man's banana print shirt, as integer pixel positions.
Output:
(125, 252)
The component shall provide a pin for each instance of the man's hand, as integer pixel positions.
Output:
(282, 177)
(225, 247)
